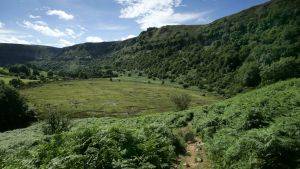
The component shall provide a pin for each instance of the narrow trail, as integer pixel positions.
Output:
(196, 157)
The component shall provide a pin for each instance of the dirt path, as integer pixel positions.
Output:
(196, 157)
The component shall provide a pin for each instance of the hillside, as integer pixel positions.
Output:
(259, 129)
(17, 53)
(255, 47)
(247, 49)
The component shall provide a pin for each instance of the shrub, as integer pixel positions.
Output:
(182, 101)
(55, 123)
(283, 69)
(13, 109)
(185, 85)
(250, 74)
(254, 119)
(16, 83)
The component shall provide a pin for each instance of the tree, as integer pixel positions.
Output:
(283, 69)
(18, 69)
(14, 111)
(50, 74)
(35, 72)
(250, 74)
(16, 83)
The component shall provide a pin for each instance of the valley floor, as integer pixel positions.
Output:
(102, 97)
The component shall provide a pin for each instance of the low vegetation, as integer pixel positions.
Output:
(102, 97)
(258, 129)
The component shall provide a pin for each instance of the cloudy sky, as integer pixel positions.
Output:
(66, 22)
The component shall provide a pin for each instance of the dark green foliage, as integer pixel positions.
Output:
(254, 119)
(181, 120)
(283, 69)
(185, 85)
(16, 83)
(250, 74)
(14, 111)
(259, 129)
(181, 101)
(50, 74)
(225, 56)
(19, 69)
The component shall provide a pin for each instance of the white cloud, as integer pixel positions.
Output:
(111, 27)
(43, 29)
(93, 39)
(64, 43)
(34, 17)
(82, 28)
(155, 13)
(70, 32)
(41, 23)
(10, 36)
(61, 14)
(128, 37)
(12, 39)
(1, 25)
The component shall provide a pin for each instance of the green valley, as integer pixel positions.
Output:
(223, 95)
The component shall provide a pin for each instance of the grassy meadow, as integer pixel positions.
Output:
(98, 97)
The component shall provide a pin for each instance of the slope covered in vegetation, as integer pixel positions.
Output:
(259, 129)
(255, 47)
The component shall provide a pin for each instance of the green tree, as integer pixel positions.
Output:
(16, 83)
(14, 111)
(249, 74)
(283, 69)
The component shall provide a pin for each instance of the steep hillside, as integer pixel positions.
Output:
(255, 47)
(243, 50)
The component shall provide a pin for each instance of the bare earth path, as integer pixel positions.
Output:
(196, 157)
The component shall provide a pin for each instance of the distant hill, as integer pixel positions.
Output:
(255, 47)
(17, 53)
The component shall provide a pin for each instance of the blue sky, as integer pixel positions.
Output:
(66, 22)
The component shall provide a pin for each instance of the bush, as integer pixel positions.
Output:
(55, 123)
(250, 74)
(185, 85)
(16, 83)
(182, 101)
(13, 109)
(283, 69)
